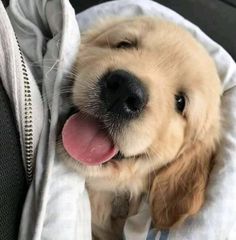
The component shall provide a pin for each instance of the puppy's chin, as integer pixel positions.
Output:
(116, 175)
(113, 176)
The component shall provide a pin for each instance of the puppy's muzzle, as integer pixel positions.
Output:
(123, 94)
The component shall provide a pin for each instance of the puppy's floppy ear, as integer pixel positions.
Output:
(178, 189)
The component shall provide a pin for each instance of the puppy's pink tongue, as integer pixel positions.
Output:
(85, 140)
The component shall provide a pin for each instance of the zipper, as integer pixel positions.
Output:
(28, 120)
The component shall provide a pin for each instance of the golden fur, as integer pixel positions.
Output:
(167, 154)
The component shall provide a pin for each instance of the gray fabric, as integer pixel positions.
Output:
(52, 42)
(49, 37)
(12, 174)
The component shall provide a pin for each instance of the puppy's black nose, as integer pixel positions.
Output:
(123, 94)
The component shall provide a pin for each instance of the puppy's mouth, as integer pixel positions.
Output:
(86, 140)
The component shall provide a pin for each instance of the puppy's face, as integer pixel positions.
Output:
(153, 88)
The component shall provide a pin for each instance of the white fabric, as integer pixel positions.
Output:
(137, 226)
(57, 205)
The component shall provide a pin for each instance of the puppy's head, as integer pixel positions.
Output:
(156, 94)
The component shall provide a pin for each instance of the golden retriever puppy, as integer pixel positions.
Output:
(147, 123)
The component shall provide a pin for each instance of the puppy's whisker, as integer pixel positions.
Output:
(65, 91)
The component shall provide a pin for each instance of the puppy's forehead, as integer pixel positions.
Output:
(163, 45)
(121, 28)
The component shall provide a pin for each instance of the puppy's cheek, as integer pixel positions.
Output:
(133, 145)
(168, 146)
(135, 138)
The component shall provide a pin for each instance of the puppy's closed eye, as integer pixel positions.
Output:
(126, 44)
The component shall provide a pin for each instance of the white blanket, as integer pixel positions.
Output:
(57, 205)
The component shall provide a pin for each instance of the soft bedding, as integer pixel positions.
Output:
(57, 205)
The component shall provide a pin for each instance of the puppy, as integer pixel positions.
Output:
(148, 122)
